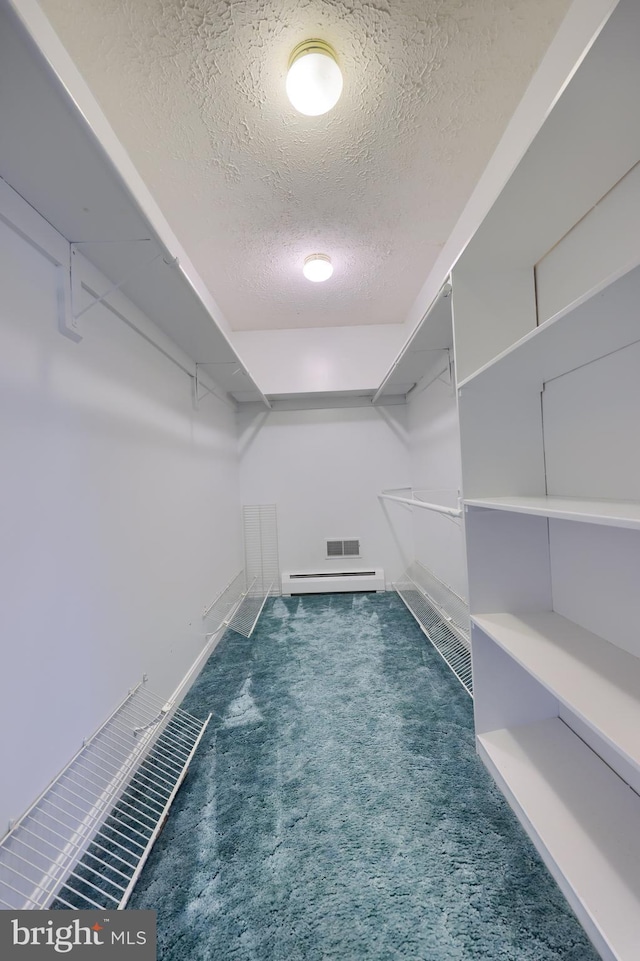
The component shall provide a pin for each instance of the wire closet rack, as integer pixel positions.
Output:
(82, 844)
(237, 607)
(443, 616)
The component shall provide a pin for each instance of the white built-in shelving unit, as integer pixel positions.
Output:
(546, 307)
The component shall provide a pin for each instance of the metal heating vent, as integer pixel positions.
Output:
(330, 582)
(343, 548)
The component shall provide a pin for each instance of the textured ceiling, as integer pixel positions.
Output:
(195, 91)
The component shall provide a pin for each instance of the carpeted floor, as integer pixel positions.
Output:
(337, 809)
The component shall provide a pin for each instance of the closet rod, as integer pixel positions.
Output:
(438, 508)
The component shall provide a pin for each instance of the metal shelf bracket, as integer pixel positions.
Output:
(70, 286)
(201, 390)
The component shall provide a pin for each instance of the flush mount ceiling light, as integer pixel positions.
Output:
(314, 80)
(317, 267)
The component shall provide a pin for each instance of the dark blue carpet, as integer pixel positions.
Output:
(337, 810)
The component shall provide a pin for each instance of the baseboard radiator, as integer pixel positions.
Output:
(330, 582)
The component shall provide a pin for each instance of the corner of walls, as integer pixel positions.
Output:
(324, 470)
(319, 358)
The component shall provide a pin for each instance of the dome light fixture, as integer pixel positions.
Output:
(317, 267)
(314, 79)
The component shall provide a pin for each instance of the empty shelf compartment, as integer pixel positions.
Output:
(584, 821)
(596, 680)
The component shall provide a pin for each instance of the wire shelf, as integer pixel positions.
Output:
(261, 555)
(239, 606)
(84, 841)
(453, 608)
(246, 616)
(220, 612)
(443, 616)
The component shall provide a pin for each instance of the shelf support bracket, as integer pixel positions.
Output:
(201, 390)
(68, 324)
(450, 353)
(74, 312)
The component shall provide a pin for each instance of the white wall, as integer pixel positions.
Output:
(435, 465)
(595, 580)
(119, 521)
(323, 469)
(591, 427)
(591, 419)
(320, 359)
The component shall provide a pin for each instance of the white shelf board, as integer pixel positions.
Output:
(61, 156)
(553, 187)
(584, 821)
(425, 350)
(545, 201)
(597, 681)
(602, 320)
(609, 513)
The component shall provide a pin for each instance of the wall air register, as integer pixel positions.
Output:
(329, 582)
(348, 547)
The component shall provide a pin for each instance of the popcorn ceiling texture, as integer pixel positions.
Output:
(195, 91)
